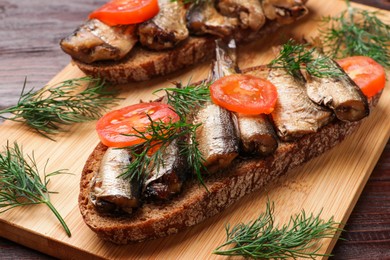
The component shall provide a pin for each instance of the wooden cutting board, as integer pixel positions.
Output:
(331, 182)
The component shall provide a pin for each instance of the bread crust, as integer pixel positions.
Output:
(195, 204)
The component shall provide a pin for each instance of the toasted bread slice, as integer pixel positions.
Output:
(142, 64)
(195, 204)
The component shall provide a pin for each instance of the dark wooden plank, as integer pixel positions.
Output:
(28, 50)
(367, 234)
(384, 4)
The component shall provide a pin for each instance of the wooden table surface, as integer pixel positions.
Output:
(30, 32)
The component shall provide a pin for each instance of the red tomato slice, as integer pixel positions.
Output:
(244, 94)
(117, 12)
(365, 72)
(114, 127)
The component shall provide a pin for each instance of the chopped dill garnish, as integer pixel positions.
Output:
(52, 106)
(262, 239)
(295, 57)
(357, 32)
(21, 184)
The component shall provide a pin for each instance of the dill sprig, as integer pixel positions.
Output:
(184, 99)
(263, 239)
(158, 135)
(295, 57)
(47, 109)
(357, 32)
(21, 184)
(148, 154)
(194, 156)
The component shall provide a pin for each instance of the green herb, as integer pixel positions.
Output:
(263, 239)
(149, 154)
(295, 57)
(357, 32)
(47, 109)
(194, 157)
(21, 184)
(186, 99)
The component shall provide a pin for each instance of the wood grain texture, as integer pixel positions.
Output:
(30, 31)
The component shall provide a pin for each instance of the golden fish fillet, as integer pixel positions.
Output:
(257, 135)
(250, 12)
(110, 192)
(204, 18)
(284, 11)
(95, 41)
(167, 28)
(216, 136)
(295, 114)
(166, 179)
(339, 93)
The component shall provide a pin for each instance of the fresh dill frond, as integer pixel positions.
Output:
(47, 109)
(356, 32)
(294, 58)
(21, 184)
(148, 155)
(262, 239)
(184, 99)
(194, 156)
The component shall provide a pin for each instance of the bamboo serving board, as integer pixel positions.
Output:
(331, 183)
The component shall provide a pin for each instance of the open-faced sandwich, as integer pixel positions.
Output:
(166, 165)
(125, 41)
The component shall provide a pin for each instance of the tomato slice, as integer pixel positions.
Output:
(366, 73)
(244, 94)
(114, 126)
(117, 12)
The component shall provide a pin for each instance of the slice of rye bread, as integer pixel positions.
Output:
(142, 64)
(195, 204)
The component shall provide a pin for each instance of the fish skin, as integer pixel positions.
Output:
(95, 41)
(284, 11)
(250, 12)
(111, 193)
(339, 93)
(167, 28)
(225, 62)
(167, 179)
(257, 135)
(216, 136)
(295, 114)
(204, 18)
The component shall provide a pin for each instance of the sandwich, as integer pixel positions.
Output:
(177, 36)
(201, 157)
